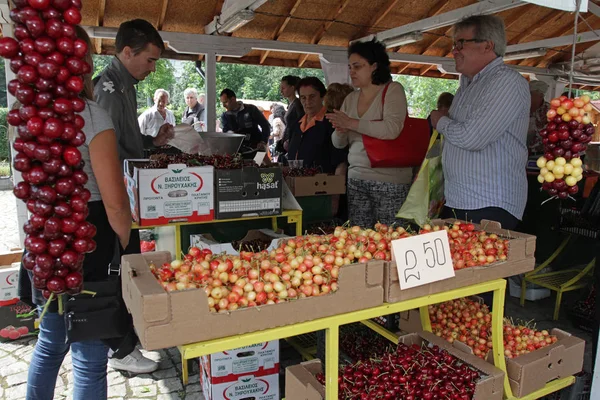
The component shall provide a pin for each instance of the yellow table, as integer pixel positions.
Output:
(333, 323)
(293, 217)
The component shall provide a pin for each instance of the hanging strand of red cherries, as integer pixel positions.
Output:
(49, 61)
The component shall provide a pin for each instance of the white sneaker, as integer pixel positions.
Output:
(134, 362)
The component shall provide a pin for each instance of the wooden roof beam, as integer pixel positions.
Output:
(426, 69)
(376, 20)
(448, 18)
(280, 28)
(163, 14)
(101, 9)
(324, 28)
(545, 21)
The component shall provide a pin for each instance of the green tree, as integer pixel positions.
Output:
(162, 78)
(3, 96)
(100, 63)
(422, 92)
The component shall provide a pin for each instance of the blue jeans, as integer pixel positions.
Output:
(89, 363)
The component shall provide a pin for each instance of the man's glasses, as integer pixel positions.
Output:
(460, 43)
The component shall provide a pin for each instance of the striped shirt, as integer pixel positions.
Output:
(485, 149)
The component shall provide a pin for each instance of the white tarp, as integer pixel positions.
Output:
(566, 5)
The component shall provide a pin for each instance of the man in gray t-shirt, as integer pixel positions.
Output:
(138, 46)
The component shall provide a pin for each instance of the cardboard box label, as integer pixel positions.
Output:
(228, 366)
(254, 387)
(423, 259)
(158, 196)
(9, 277)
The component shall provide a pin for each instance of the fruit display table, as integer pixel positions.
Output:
(332, 324)
(292, 216)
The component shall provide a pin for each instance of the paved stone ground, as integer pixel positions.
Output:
(9, 236)
(164, 384)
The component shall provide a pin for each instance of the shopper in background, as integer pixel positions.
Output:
(195, 111)
(335, 96)
(138, 45)
(311, 137)
(374, 194)
(277, 124)
(537, 116)
(155, 117)
(289, 88)
(245, 119)
(443, 104)
(485, 133)
(109, 212)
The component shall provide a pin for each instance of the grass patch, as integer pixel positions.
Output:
(4, 168)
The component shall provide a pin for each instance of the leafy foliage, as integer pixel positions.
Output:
(4, 144)
(422, 92)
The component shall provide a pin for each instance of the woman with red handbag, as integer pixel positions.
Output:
(378, 110)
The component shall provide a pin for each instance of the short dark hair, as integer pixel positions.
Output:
(374, 52)
(313, 82)
(228, 92)
(445, 100)
(137, 34)
(291, 80)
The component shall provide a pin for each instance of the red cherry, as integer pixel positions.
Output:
(65, 186)
(29, 148)
(18, 144)
(77, 4)
(74, 84)
(573, 189)
(37, 175)
(39, 4)
(42, 100)
(80, 216)
(22, 163)
(56, 285)
(22, 190)
(65, 171)
(62, 75)
(9, 47)
(56, 149)
(43, 209)
(37, 221)
(61, 4)
(69, 132)
(85, 195)
(13, 118)
(79, 122)
(14, 14)
(27, 13)
(68, 225)
(78, 104)
(65, 45)
(71, 155)
(30, 205)
(86, 68)
(69, 31)
(60, 91)
(61, 272)
(21, 32)
(27, 112)
(78, 140)
(52, 225)
(13, 86)
(44, 45)
(42, 273)
(52, 166)
(33, 58)
(69, 258)
(27, 74)
(47, 69)
(80, 48)
(53, 128)
(57, 57)
(57, 247)
(63, 106)
(44, 85)
(91, 246)
(41, 152)
(51, 13)
(54, 28)
(27, 46)
(72, 16)
(62, 209)
(73, 280)
(80, 245)
(45, 261)
(16, 63)
(36, 245)
(46, 113)
(25, 95)
(39, 283)
(80, 178)
(35, 26)
(28, 261)
(75, 65)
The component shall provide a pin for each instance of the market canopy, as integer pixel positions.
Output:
(294, 33)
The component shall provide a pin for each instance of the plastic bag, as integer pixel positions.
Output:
(187, 139)
(426, 195)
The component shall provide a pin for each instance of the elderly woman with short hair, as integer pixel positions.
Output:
(156, 116)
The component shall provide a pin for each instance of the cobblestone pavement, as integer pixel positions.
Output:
(164, 384)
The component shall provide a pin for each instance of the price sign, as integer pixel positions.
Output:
(423, 259)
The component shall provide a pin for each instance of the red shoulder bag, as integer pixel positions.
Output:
(407, 150)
